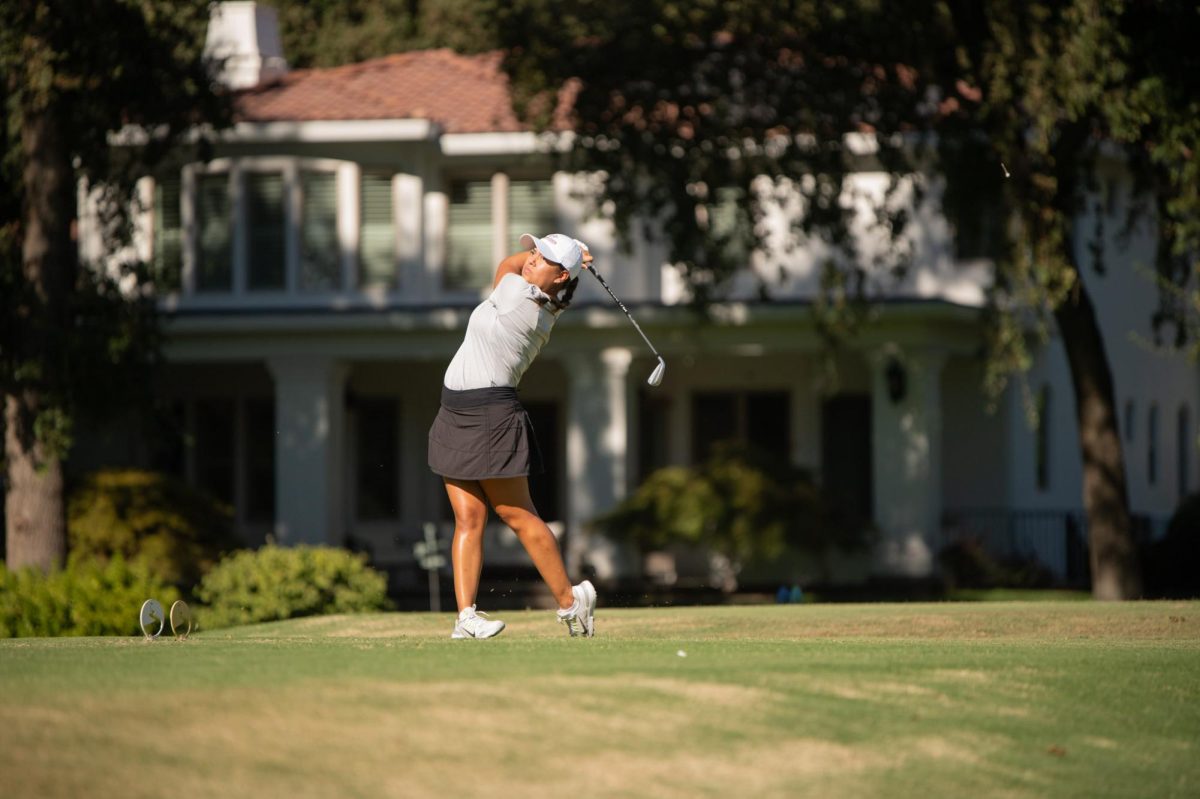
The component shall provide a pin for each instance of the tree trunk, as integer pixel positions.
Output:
(1113, 555)
(35, 515)
(36, 533)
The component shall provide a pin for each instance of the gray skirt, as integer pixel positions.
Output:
(483, 434)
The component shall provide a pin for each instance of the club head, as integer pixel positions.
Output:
(657, 375)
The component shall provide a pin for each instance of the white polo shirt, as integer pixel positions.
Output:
(505, 333)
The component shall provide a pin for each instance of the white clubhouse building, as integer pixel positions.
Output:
(318, 272)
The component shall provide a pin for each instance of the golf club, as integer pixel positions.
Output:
(657, 375)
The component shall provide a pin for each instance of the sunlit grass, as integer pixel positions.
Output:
(985, 699)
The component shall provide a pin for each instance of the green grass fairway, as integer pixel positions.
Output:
(916, 700)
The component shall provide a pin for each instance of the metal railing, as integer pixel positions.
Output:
(1057, 540)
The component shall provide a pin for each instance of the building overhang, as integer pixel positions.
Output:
(334, 130)
(295, 131)
(426, 333)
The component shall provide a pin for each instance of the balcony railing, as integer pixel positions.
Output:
(1058, 540)
(1055, 539)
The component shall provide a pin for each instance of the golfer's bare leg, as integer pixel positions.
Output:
(466, 552)
(510, 497)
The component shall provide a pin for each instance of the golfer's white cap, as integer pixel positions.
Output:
(559, 248)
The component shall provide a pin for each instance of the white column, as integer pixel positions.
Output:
(501, 246)
(408, 217)
(349, 223)
(597, 442)
(906, 455)
(437, 220)
(309, 425)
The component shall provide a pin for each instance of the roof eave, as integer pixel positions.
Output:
(333, 130)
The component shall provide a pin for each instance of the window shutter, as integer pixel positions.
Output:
(377, 242)
(260, 459)
(215, 451)
(530, 208)
(267, 231)
(469, 236)
(214, 261)
(168, 233)
(319, 251)
(377, 463)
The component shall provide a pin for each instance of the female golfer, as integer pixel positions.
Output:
(482, 442)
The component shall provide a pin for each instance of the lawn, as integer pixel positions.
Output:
(901, 700)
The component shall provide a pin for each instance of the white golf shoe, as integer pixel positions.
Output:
(580, 618)
(471, 624)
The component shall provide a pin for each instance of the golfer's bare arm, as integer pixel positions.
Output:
(510, 266)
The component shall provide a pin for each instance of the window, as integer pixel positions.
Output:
(469, 236)
(376, 241)
(544, 487)
(319, 251)
(267, 224)
(760, 419)
(1042, 445)
(847, 457)
(473, 217)
(714, 419)
(260, 459)
(266, 227)
(1183, 448)
(169, 439)
(214, 251)
(654, 413)
(377, 461)
(530, 209)
(214, 444)
(768, 422)
(1152, 446)
(979, 227)
(168, 233)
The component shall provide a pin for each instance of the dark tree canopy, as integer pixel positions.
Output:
(325, 33)
(92, 69)
(80, 341)
(1011, 103)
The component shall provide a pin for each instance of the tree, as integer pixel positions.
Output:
(1059, 83)
(326, 33)
(678, 102)
(74, 339)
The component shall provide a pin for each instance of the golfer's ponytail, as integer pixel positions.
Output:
(567, 293)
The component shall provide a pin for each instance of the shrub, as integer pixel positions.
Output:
(86, 598)
(739, 503)
(1171, 565)
(967, 564)
(274, 583)
(177, 531)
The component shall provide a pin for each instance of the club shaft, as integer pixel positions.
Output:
(626, 310)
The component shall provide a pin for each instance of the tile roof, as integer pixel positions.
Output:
(463, 93)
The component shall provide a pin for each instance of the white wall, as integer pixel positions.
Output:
(1125, 297)
(975, 443)
(791, 267)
